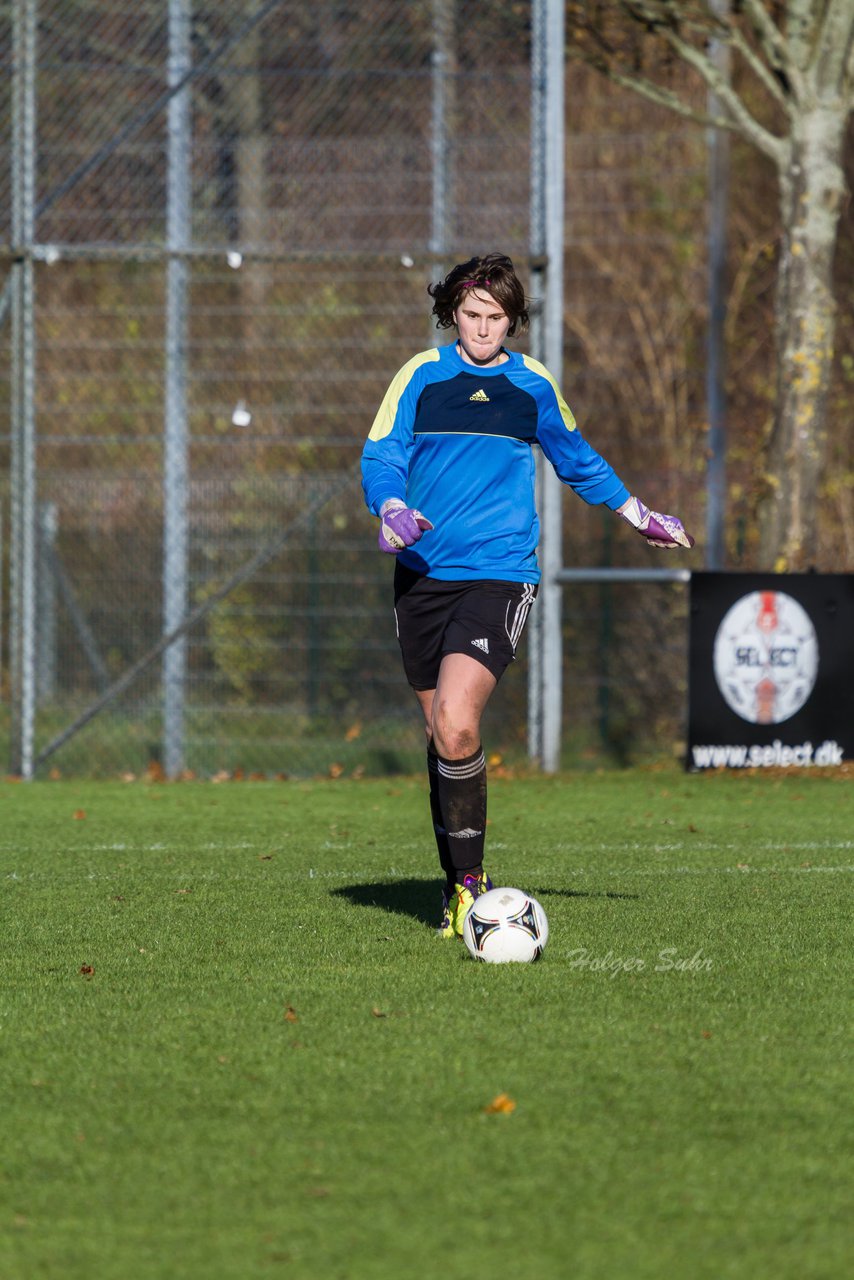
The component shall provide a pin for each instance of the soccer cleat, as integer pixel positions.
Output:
(446, 928)
(463, 899)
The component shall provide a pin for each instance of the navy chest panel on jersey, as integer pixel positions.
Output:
(472, 405)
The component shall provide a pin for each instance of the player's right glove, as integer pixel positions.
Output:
(658, 529)
(400, 526)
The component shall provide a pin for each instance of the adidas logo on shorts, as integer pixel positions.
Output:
(483, 645)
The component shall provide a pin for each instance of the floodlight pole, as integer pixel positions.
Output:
(545, 646)
(175, 432)
(22, 638)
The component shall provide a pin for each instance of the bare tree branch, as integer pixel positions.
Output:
(801, 20)
(660, 96)
(833, 58)
(738, 119)
(759, 68)
(773, 44)
(669, 21)
(745, 122)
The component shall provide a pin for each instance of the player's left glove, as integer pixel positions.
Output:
(400, 526)
(658, 529)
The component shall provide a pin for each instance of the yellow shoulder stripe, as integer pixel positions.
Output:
(565, 411)
(387, 412)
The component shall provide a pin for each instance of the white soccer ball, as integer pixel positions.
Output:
(505, 925)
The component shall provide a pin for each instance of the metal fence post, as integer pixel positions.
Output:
(443, 88)
(23, 531)
(175, 461)
(536, 237)
(547, 218)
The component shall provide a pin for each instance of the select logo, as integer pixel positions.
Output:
(766, 657)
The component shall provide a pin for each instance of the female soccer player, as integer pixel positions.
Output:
(454, 439)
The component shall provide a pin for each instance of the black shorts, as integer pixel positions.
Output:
(483, 619)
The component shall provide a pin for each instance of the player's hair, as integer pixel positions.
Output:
(494, 273)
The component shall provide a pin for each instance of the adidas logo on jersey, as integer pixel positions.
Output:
(481, 396)
(483, 645)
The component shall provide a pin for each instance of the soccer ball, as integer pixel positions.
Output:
(506, 924)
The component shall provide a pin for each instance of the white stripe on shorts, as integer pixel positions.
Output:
(520, 617)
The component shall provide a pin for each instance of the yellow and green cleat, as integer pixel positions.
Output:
(456, 905)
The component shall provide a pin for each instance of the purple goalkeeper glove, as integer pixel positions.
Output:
(400, 526)
(658, 529)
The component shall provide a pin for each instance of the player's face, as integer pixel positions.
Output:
(482, 325)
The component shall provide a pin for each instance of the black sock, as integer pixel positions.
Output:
(436, 814)
(462, 804)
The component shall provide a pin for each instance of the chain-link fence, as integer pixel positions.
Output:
(218, 223)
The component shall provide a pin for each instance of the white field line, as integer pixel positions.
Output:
(394, 873)
(676, 846)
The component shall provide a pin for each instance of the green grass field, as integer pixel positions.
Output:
(233, 1048)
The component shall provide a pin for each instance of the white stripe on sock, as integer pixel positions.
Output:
(459, 772)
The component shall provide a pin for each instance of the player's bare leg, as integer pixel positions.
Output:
(453, 710)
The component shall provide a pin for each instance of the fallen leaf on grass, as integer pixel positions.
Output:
(501, 1104)
(335, 770)
(78, 815)
(707, 1035)
(155, 772)
(87, 970)
(265, 857)
(291, 1014)
(378, 1013)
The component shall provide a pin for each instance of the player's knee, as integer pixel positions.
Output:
(454, 740)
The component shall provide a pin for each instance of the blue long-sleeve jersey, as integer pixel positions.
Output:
(455, 440)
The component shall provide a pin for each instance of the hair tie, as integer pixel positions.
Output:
(474, 284)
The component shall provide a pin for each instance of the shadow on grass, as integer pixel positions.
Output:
(418, 898)
(421, 899)
(551, 892)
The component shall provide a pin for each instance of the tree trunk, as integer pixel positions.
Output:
(812, 187)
